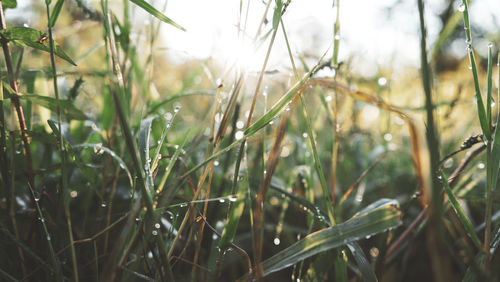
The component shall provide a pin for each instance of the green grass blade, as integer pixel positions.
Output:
(101, 149)
(470, 52)
(461, 215)
(495, 150)
(367, 224)
(157, 14)
(25, 36)
(489, 98)
(234, 215)
(55, 13)
(67, 106)
(327, 200)
(364, 265)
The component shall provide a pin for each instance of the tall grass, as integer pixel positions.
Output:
(130, 168)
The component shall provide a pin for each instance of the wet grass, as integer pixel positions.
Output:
(127, 167)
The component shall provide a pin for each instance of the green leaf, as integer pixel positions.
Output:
(25, 36)
(277, 13)
(9, 4)
(100, 148)
(461, 215)
(384, 217)
(55, 13)
(50, 103)
(364, 265)
(157, 14)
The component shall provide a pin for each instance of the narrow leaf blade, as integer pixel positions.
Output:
(157, 14)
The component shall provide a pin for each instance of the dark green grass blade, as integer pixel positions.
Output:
(55, 13)
(67, 106)
(495, 149)
(100, 148)
(25, 36)
(364, 265)
(461, 215)
(366, 224)
(157, 14)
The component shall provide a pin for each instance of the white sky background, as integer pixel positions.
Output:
(367, 33)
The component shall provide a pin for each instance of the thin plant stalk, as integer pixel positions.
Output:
(62, 149)
(16, 103)
(440, 263)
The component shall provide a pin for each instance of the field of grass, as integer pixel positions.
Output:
(119, 165)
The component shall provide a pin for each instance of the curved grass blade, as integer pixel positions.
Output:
(495, 149)
(461, 215)
(111, 153)
(25, 36)
(157, 14)
(55, 13)
(382, 218)
(364, 265)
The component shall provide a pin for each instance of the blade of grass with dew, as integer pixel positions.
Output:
(157, 14)
(144, 136)
(156, 155)
(367, 224)
(185, 94)
(55, 13)
(364, 265)
(235, 214)
(62, 149)
(25, 36)
(3, 143)
(495, 150)
(327, 200)
(470, 52)
(99, 147)
(461, 214)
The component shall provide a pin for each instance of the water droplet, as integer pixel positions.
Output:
(157, 225)
(48, 238)
(177, 108)
(374, 252)
(337, 36)
(304, 134)
(73, 194)
(387, 137)
(448, 163)
(239, 135)
(382, 81)
(368, 237)
(103, 204)
(490, 45)
(137, 219)
(232, 199)
(168, 116)
(461, 7)
(176, 147)
(469, 67)
(493, 104)
(214, 236)
(216, 163)
(276, 241)
(328, 98)
(218, 117)
(183, 205)
(480, 165)
(240, 124)
(221, 200)
(154, 232)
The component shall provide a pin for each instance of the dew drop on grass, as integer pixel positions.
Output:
(154, 232)
(374, 252)
(448, 163)
(461, 7)
(232, 199)
(304, 135)
(490, 45)
(239, 134)
(103, 204)
(387, 137)
(73, 194)
(183, 205)
(382, 81)
(480, 165)
(216, 163)
(221, 200)
(214, 236)
(157, 225)
(276, 241)
(328, 98)
(337, 36)
(469, 67)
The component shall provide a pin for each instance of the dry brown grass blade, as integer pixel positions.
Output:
(380, 103)
(258, 210)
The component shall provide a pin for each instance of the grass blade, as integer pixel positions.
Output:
(55, 13)
(364, 265)
(461, 215)
(157, 14)
(370, 223)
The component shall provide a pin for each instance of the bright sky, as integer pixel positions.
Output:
(367, 30)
